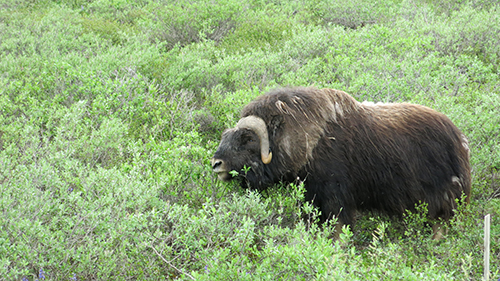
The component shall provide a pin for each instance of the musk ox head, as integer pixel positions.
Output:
(246, 144)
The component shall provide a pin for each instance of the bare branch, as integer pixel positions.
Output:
(173, 266)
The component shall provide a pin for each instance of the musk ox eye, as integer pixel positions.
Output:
(247, 143)
(245, 139)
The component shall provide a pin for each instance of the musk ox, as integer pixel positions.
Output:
(351, 155)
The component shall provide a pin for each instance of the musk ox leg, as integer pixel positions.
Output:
(331, 206)
(439, 230)
(338, 230)
(331, 209)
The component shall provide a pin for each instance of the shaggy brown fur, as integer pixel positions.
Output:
(352, 156)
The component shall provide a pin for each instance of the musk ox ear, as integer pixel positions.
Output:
(258, 125)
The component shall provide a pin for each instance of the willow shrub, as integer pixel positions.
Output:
(111, 110)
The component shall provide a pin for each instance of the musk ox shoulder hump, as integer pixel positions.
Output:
(304, 114)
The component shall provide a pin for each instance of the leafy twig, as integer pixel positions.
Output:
(167, 262)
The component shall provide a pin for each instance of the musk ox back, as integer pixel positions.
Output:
(351, 156)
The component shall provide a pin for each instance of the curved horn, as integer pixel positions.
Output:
(258, 125)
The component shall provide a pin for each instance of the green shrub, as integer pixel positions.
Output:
(111, 110)
(354, 14)
(186, 22)
(107, 29)
(447, 7)
(469, 31)
(255, 31)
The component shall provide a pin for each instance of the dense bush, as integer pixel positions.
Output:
(110, 111)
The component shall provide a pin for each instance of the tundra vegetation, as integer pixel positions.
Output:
(110, 111)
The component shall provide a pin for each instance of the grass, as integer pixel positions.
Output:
(111, 110)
